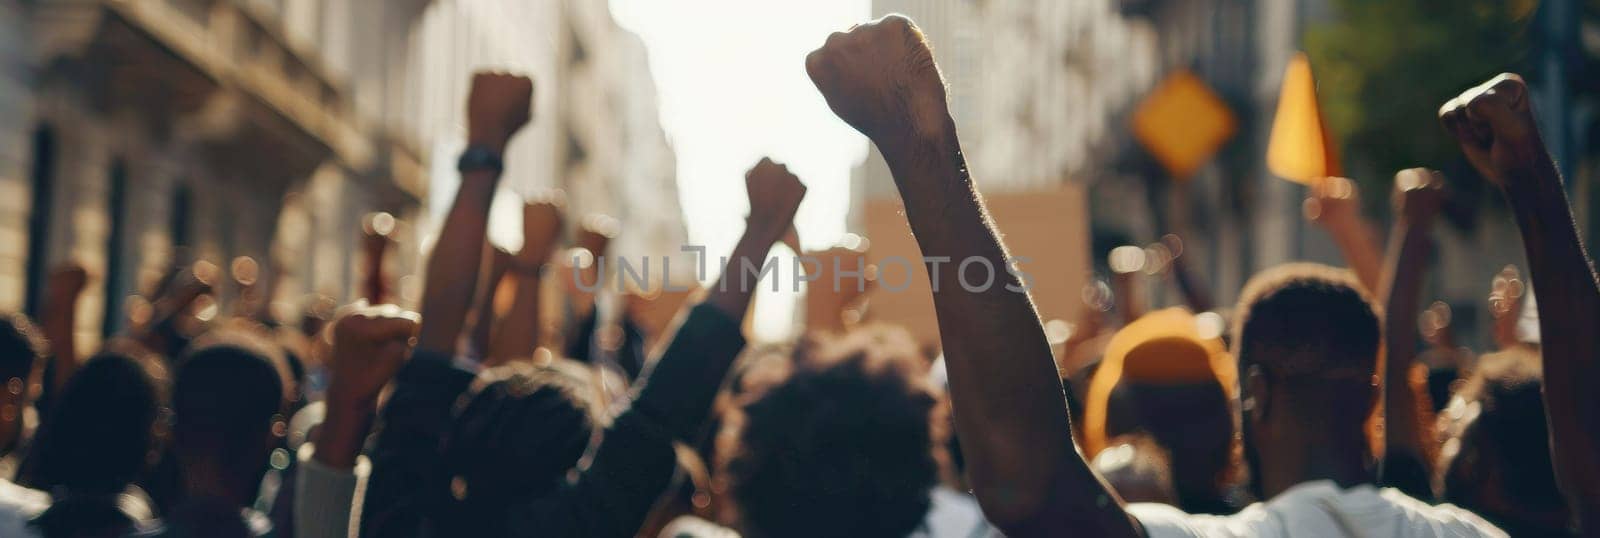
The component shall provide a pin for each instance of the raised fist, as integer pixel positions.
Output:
(1418, 194)
(1332, 199)
(67, 280)
(370, 343)
(596, 232)
(541, 228)
(1493, 123)
(498, 105)
(775, 195)
(881, 79)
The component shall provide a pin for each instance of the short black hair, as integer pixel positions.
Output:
(22, 345)
(226, 397)
(96, 441)
(98, 436)
(516, 434)
(844, 447)
(1497, 428)
(1305, 321)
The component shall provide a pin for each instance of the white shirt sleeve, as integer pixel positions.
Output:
(327, 500)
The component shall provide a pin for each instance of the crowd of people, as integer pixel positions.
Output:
(1325, 411)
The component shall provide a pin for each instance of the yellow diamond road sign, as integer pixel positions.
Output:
(1183, 123)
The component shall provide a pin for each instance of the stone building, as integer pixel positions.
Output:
(134, 133)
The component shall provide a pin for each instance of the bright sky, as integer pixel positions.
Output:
(733, 88)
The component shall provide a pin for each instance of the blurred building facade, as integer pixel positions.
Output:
(140, 133)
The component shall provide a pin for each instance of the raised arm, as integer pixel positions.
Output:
(635, 460)
(484, 322)
(678, 388)
(369, 346)
(60, 311)
(518, 334)
(497, 107)
(1335, 204)
(1009, 405)
(1494, 125)
(1408, 417)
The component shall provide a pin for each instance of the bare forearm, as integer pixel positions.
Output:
(1357, 243)
(57, 325)
(518, 332)
(1405, 413)
(483, 320)
(454, 264)
(734, 289)
(1004, 386)
(1569, 312)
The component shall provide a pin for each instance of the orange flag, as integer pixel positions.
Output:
(1300, 149)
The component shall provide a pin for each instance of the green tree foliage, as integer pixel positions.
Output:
(1383, 67)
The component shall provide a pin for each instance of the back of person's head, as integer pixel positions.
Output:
(517, 433)
(1496, 457)
(22, 345)
(97, 440)
(845, 446)
(1312, 333)
(227, 396)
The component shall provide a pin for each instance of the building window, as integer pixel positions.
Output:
(43, 180)
(179, 226)
(116, 262)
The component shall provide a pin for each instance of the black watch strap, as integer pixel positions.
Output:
(478, 159)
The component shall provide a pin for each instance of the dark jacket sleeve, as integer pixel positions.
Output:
(635, 461)
(405, 453)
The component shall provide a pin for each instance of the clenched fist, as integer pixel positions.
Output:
(497, 107)
(1332, 199)
(370, 343)
(541, 228)
(1493, 122)
(775, 195)
(1418, 194)
(881, 79)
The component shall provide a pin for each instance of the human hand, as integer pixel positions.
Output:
(775, 196)
(1493, 123)
(880, 78)
(498, 105)
(541, 228)
(370, 343)
(1333, 201)
(1418, 195)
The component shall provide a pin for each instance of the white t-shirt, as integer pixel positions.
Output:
(1320, 508)
(18, 505)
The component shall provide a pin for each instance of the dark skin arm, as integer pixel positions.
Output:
(60, 310)
(1494, 125)
(775, 195)
(497, 107)
(518, 334)
(369, 346)
(1335, 204)
(1009, 403)
(1408, 417)
(483, 318)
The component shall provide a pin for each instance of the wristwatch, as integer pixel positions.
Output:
(479, 158)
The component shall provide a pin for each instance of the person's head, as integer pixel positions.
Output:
(1496, 455)
(845, 446)
(1307, 347)
(22, 346)
(227, 400)
(1169, 376)
(98, 439)
(517, 433)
